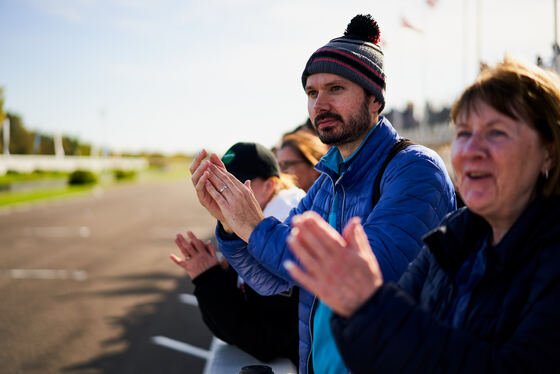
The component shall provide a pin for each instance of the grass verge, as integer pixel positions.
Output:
(12, 198)
(170, 170)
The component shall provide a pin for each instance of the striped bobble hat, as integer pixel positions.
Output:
(355, 56)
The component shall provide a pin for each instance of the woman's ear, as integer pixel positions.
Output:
(270, 187)
(551, 157)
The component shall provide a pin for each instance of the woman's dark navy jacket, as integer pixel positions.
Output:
(416, 194)
(512, 322)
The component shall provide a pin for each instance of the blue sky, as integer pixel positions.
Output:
(178, 76)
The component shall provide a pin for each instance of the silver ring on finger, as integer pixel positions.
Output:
(223, 189)
(188, 258)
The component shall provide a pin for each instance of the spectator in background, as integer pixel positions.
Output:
(263, 326)
(298, 154)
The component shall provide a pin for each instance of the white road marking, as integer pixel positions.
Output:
(181, 347)
(188, 299)
(58, 231)
(49, 274)
(213, 347)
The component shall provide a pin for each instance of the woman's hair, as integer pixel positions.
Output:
(285, 182)
(307, 145)
(522, 92)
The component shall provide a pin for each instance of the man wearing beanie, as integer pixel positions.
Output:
(398, 201)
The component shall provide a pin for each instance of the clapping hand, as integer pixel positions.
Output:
(226, 198)
(341, 270)
(198, 256)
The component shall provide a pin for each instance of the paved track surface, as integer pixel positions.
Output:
(86, 283)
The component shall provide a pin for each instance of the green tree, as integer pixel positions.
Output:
(71, 146)
(2, 115)
(84, 150)
(46, 145)
(21, 140)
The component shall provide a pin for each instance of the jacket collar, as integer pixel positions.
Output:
(462, 230)
(457, 235)
(377, 142)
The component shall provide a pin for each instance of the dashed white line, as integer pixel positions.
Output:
(181, 347)
(188, 299)
(77, 275)
(58, 232)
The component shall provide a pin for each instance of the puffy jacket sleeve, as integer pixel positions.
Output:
(260, 263)
(267, 243)
(402, 337)
(258, 277)
(416, 194)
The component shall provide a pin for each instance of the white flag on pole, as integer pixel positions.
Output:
(58, 148)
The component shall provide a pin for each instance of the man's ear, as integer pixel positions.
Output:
(374, 105)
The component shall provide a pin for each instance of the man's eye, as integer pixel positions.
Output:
(312, 93)
(337, 88)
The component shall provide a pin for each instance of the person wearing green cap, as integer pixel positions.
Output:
(263, 326)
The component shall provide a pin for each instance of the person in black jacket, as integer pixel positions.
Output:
(263, 326)
(483, 296)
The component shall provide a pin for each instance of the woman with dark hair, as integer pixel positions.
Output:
(483, 296)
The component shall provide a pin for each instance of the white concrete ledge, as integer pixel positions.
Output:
(30, 163)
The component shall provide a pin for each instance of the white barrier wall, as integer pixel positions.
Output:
(29, 163)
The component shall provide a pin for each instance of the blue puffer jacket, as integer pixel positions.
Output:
(416, 193)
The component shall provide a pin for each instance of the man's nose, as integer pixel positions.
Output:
(321, 104)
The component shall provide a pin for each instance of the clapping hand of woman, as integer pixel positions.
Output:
(341, 270)
(198, 256)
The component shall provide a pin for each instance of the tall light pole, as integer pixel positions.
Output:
(555, 23)
(465, 44)
(479, 32)
(555, 47)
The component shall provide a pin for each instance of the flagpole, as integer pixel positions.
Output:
(478, 32)
(555, 23)
(465, 44)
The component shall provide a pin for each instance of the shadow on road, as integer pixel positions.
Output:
(168, 317)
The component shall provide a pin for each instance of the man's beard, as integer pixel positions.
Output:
(348, 131)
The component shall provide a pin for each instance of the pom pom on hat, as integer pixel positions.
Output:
(356, 56)
(363, 27)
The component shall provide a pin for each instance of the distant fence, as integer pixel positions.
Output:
(30, 163)
(430, 136)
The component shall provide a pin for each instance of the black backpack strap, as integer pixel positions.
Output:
(397, 146)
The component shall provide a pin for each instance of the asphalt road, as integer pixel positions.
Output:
(86, 283)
